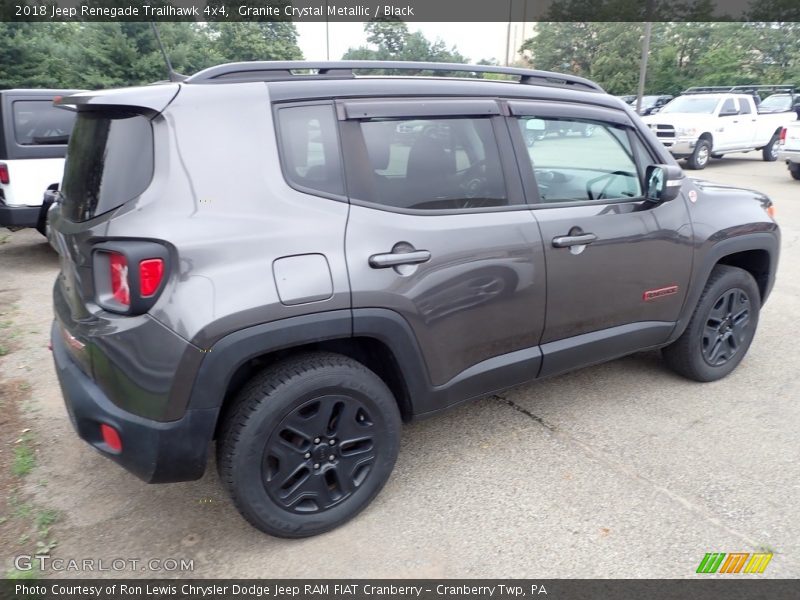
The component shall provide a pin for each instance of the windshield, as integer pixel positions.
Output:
(648, 101)
(692, 104)
(776, 102)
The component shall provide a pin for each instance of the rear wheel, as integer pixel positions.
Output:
(721, 328)
(794, 170)
(311, 441)
(699, 158)
(770, 152)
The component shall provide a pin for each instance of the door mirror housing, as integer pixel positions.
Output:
(663, 182)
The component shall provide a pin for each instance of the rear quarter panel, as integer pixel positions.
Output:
(219, 197)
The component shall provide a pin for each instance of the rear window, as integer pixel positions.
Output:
(109, 161)
(39, 123)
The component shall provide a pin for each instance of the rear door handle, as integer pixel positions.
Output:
(393, 259)
(573, 240)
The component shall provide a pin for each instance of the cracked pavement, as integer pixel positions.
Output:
(618, 470)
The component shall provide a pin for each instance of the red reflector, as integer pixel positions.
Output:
(111, 437)
(151, 271)
(4, 178)
(119, 278)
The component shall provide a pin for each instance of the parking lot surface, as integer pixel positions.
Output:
(619, 470)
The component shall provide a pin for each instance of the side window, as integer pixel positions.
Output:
(431, 164)
(309, 148)
(729, 107)
(744, 107)
(581, 161)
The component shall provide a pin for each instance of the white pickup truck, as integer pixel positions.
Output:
(789, 148)
(33, 143)
(700, 126)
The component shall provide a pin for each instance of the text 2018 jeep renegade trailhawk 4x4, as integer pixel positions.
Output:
(291, 259)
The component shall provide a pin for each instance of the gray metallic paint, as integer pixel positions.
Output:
(217, 159)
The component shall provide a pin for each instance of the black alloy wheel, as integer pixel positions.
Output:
(308, 443)
(727, 327)
(321, 453)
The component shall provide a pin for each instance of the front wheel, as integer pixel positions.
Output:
(699, 158)
(770, 152)
(311, 441)
(721, 328)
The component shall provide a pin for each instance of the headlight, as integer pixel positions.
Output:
(685, 131)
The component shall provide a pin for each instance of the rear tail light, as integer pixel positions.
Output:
(120, 286)
(783, 135)
(4, 177)
(129, 275)
(151, 272)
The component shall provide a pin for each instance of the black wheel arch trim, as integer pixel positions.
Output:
(768, 242)
(221, 361)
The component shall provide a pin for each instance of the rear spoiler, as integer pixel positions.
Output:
(149, 100)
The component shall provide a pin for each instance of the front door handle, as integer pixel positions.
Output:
(573, 240)
(394, 259)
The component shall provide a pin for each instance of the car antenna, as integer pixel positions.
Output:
(171, 74)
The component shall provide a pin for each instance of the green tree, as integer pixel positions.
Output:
(605, 52)
(255, 41)
(392, 40)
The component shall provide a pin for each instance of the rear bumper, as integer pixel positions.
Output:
(19, 216)
(789, 156)
(154, 451)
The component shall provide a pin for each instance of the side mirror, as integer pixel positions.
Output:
(663, 182)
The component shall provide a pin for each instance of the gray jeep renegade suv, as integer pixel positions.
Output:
(290, 260)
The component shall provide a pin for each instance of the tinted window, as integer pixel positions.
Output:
(744, 107)
(310, 148)
(38, 122)
(109, 161)
(575, 160)
(432, 164)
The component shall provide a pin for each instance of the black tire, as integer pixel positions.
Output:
(770, 152)
(699, 157)
(309, 443)
(794, 171)
(719, 332)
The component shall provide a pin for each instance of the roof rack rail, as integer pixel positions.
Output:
(741, 89)
(344, 69)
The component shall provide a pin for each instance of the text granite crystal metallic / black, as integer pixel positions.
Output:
(290, 259)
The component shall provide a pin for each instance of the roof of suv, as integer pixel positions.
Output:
(301, 80)
(295, 80)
